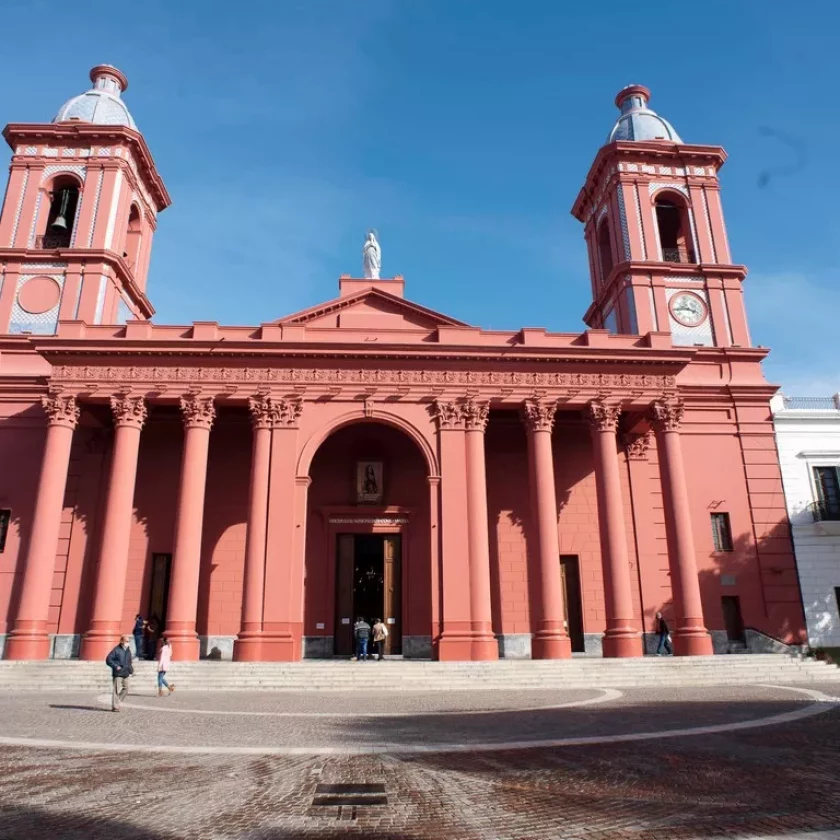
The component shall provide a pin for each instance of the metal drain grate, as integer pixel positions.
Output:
(350, 794)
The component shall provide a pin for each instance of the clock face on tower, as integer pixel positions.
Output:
(688, 309)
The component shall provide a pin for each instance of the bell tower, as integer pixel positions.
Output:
(79, 215)
(658, 253)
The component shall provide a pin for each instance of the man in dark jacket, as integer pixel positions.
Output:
(139, 626)
(664, 633)
(119, 661)
(361, 630)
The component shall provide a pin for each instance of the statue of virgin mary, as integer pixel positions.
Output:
(371, 256)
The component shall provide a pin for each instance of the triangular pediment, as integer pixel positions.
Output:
(371, 309)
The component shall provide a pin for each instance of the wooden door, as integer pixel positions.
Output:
(570, 571)
(159, 592)
(344, 563)
(393, 594)
(732, 618)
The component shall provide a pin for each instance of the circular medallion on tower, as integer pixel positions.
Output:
(688, 309)
(38, 295)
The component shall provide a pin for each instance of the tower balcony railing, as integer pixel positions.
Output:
(50, 241)
(677, 255)
(825, 511)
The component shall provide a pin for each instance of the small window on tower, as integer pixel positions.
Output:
(605, 250)
(674, 230)
(721, 532)
(5, 519)
(132, 237)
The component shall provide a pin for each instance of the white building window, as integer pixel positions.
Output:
(827, 486)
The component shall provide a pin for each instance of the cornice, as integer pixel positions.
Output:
(75, 256)
(17, 132)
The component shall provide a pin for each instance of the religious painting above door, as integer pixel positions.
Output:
(369, 482)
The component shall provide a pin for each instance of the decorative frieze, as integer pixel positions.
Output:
(61, 410)
(603, 414)
(293, 377)
(668, 413)
(198, 412)
(129, 411)
(538, 415)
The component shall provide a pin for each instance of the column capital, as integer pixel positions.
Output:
(129, 411)
(476, 414)
(449, 415)
(61, 410)
(603, 414)
(538, 415)
(668, 413)
(260, 409)
(198, 412)
(286, 412)
(636, 446)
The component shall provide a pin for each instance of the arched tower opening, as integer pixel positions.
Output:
(674, 228)
(368, 541)
(61, 219)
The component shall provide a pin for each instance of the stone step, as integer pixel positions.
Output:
(402, 675)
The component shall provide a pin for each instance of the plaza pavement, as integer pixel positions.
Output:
(594, 764)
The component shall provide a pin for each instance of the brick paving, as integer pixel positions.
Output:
(771, 782)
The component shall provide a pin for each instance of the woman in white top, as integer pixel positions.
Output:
(164, 661)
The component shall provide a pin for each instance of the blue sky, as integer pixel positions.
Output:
(462, 130)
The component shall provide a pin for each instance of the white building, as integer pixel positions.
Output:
(808, 439)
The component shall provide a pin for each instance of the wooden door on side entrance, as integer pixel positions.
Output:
(344, 575)
(570, 571)
(393, 594)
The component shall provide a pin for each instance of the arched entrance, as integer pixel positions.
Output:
(368, 541)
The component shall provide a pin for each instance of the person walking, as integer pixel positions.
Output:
(119, 661)
(164, 661)
(664, 633)
(361, 631)
(380, 633)
(139, 627)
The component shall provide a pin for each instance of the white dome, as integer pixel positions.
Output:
(102, 104)
(637, 121)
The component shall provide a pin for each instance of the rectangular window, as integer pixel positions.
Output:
(721, 532)
(5, 519)
(837, 597)
(827, 482)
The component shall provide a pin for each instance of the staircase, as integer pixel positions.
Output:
(422, 676)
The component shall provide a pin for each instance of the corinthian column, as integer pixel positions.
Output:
(484, 644)
(106, 620)
(29, 639)
(248, 646)
(551, 641)
(690, 636)
(282, 639)
(198, 415)
(456, 637)
(621, 637)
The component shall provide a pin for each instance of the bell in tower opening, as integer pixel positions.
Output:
(62, 217)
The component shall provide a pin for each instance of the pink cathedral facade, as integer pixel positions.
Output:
(487, 493)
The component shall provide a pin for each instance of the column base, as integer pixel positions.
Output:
(551, 645)
(692, 643)
(455, 647)
(484, 649)
(185, 646)
(29, 640)
(622, 644)
(248, 648)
